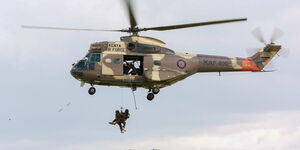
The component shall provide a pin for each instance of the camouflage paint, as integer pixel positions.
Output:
(173, 66)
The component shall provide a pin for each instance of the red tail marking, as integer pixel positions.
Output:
(249, 65)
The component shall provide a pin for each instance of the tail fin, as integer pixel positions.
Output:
(263, 57)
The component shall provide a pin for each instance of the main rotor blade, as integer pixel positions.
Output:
(133, 22)
(72, 29)
(172, 27)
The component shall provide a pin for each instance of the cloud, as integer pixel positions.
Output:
(269, 131)
(261, 131)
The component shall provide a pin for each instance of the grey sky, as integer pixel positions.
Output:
(205, 111)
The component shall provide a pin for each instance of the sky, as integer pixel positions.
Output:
(43, 107)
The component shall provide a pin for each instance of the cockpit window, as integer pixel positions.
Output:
(81, 65)
(93, 57)
(97, 57)
(88, 62)
(87, 56)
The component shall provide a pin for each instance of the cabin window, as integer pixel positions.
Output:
(117, 61)
(157, 62)
(108, 60)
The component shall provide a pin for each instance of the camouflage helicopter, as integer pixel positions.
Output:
(139, 61)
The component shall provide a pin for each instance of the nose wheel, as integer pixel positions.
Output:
(152, 92)
(92, 91)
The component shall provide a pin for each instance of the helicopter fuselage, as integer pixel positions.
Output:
(147, 62)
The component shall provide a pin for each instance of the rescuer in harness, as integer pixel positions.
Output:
(120, 119)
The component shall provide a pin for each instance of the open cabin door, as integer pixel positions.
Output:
(112, 64)
(133, 65)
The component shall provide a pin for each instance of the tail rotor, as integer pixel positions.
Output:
(276, 35)
(263, 57)
(258, 34)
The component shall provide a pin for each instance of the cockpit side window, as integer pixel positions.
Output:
(94, 57)
(97, 57)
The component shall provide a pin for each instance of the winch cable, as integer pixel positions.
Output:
(122, 98)
(134, 100)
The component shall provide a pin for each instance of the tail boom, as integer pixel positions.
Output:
(209, 63)
(255, 63)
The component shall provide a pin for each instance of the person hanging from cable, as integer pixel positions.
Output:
(125, 116)
(120, 119)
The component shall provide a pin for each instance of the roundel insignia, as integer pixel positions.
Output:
(181, 64)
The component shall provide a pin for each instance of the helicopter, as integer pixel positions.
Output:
(146, 62)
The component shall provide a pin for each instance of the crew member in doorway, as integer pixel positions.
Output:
(132, 67)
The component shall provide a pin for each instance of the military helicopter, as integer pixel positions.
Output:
(140, 61)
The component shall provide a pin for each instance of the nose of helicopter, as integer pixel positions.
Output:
(77, 74)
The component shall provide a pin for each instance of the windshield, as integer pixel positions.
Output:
(81, 65)
(88, 62)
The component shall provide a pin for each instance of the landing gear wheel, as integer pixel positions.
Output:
(155, 90)
(92, 91)
(150, 96)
